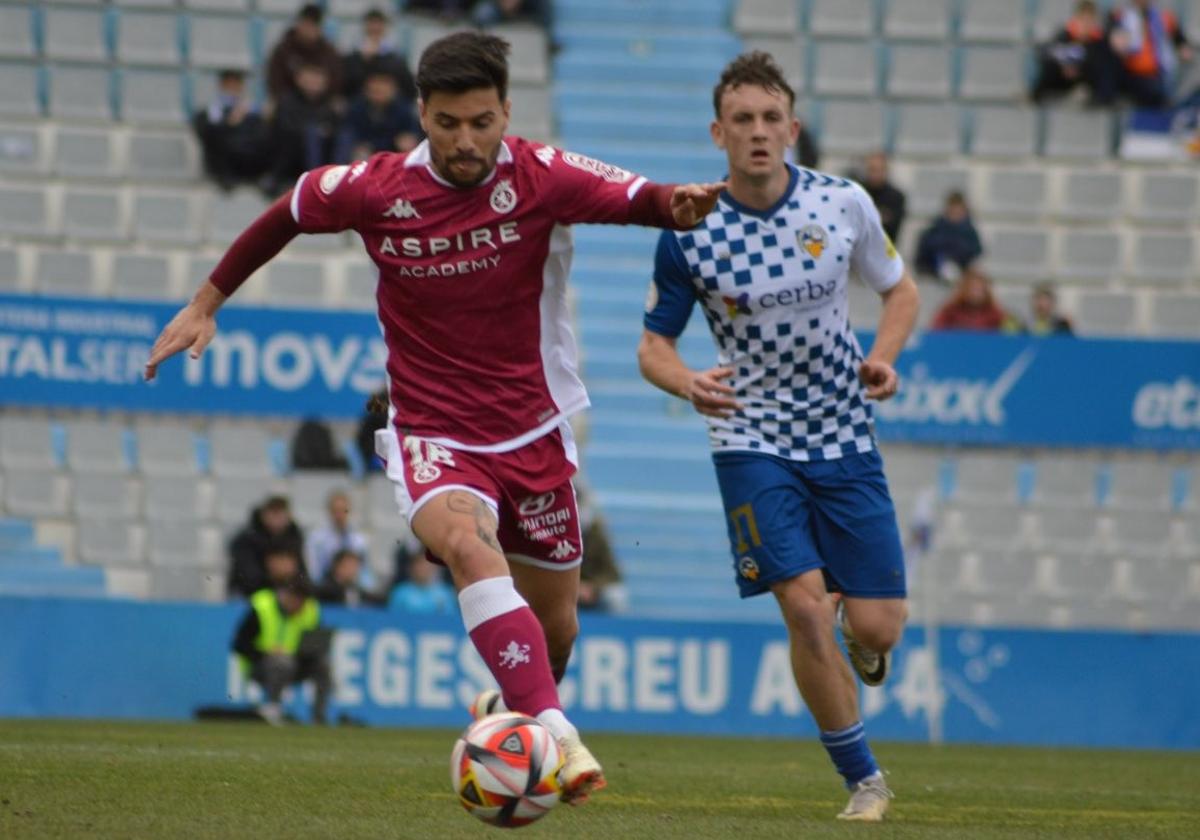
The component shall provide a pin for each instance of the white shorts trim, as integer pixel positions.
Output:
(526, 560)
(425, 498)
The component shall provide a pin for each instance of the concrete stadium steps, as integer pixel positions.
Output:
(27, 568)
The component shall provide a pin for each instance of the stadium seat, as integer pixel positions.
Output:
(1013, 193)
(1080, 576)
(1089, 256)
(298, 283)
(1166, 198)
(219, 41)
(35, 493)
(765, 17)
(277, 7)
(96, 446)
(167, 217)
(24, 150)
(987, 20)
(990, 525)
(148, 38)
(236, 499)
(927, 131)
(87, 153)
(1144, 534)
(852, 127)
(358, 287)
(20, 90)
(1140, 483)
(105, 496)
(1175, 315)
(1084, 135)
(991, 72)
(1106, 313)
(27, 212)
(152, 96)
(930, 184)
(841, 18)
(186, 584)
(987, 477)
(97, 215)
(168, 499)
(917, 71)
(67, 273)
(532, 114)
(74, 34)
(309, 490)
(180, 544)
(844, 68)
(917, 20)
(166, 448)
(1003, 132)
(1064, 481)
(1166, 258)
(153, 4)
(162, 157)
(230, 214)
(12, 277)
(381, 506)
(1050, 17)
(239, 451)
(1089, 195)
(145, 277)
(218, 5)
(528, 61)
(26, 444)
(1018, 254)
(109, 542)
(17, 32)
(80, 92)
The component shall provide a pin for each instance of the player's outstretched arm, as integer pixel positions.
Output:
(690, 203)
(900, 306)
(194, 326)
(662, 366)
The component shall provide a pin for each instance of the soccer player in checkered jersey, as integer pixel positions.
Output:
(470, 234)
(789, 419)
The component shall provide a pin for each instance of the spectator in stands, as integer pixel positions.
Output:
(279, 644)
(304, 128)
(270, 527)
(335, 536)
(376, 52)
(303, 45)
(342, 583)
(379, 120)
(423, 590)
(889, 200)
(1147, 46)
(314, 447)
(972, 305)
(1046, 319)
(448, 10)
(232, 133)
(600, 586)
(492, 12)
(374, 419)
(950, 243)
(1073, 57)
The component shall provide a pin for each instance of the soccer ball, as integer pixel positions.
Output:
(504, 769)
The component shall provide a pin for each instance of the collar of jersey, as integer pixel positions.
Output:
(420, 156)
(793, 176)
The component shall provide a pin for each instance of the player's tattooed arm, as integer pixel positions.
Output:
(485, 523)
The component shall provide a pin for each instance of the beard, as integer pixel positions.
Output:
(473, 174)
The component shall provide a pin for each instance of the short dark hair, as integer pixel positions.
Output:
(311, 11)
(281, 547)
(297, 585)
(374, 13)
(231, 74)
(341, 555)
(464, 61)
(277, 503)
(752, 68)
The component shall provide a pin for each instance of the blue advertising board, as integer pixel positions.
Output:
(114, 659)
(955, 388)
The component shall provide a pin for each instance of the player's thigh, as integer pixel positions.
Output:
(854, 524)
(768, 519)
(457, 526)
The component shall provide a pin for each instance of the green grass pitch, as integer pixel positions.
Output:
(84, 780)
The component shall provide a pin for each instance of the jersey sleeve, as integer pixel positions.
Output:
(672, 293)
(583, 189)
(874, 258)
(330, 199)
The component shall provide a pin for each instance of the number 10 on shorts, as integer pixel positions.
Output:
(744, 528)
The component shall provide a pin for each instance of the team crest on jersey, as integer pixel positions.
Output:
(739, 305)
(747, 568)
(813, 239)
(332, 178)
(607, 171)
(504, 197)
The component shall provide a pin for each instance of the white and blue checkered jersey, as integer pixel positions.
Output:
(773, 287)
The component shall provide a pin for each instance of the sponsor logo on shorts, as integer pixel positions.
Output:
(534, 505)
(563, 550)
(747, 568)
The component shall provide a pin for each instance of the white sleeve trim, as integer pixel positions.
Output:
(296, 198)
(634, 187)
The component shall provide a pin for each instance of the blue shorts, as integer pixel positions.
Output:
(788, 517)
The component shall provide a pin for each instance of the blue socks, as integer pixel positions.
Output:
(850, 754)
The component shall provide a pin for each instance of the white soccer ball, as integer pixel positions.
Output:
(504, 769)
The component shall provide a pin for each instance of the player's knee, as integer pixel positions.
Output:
(461, 548)
(880, 635)
(808, 617)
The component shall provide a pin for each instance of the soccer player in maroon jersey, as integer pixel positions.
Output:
(470, 234)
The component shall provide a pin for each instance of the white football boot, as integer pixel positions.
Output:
(487, 702)
(869, 800)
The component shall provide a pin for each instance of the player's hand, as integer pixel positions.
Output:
(191, 328)
(709, 395)
(690, 203)
(880, 378)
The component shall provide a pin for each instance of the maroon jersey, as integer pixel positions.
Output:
(472, 283)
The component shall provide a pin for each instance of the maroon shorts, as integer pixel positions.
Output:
(528, 489)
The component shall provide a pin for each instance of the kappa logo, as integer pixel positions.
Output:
(504, 197)
(333, 177)
(563, 550)
(534, 505)
(424, 457)
(546, 155)
(514, 655)
(401, 209)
